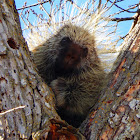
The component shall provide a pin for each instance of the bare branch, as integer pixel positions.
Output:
(122, 19)
(39, 3)
(10, 110)
(122, 8)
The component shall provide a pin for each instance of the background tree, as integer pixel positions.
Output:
(21, 89)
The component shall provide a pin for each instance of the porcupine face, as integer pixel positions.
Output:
(67, 53)
(73, 50)
(69, 57)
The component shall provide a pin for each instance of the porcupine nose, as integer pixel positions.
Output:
(70, 57)
(75, 54)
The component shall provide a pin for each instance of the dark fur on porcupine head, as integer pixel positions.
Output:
(47, 56)
(69, 63)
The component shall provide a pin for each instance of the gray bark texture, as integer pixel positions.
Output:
(115, 117)
(20, 84)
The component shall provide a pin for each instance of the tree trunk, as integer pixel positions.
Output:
(117, 113)
(19, 82)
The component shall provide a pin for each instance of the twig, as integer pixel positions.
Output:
(10, 110)
(122, 8)
(39, 3)
(122, 19)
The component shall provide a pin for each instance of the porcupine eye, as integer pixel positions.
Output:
(84, 52)
(64, 41)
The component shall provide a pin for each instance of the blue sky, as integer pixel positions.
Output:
(123, 27)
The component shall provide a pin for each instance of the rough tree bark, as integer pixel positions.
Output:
(19, 82)
(117, 113)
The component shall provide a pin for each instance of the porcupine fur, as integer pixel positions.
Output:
(77, 90)
(76, 86)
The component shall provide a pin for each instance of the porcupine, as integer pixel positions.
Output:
(67, 57)
(69, 63)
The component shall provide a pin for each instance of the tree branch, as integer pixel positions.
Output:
(39, 3)
(10, 110)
